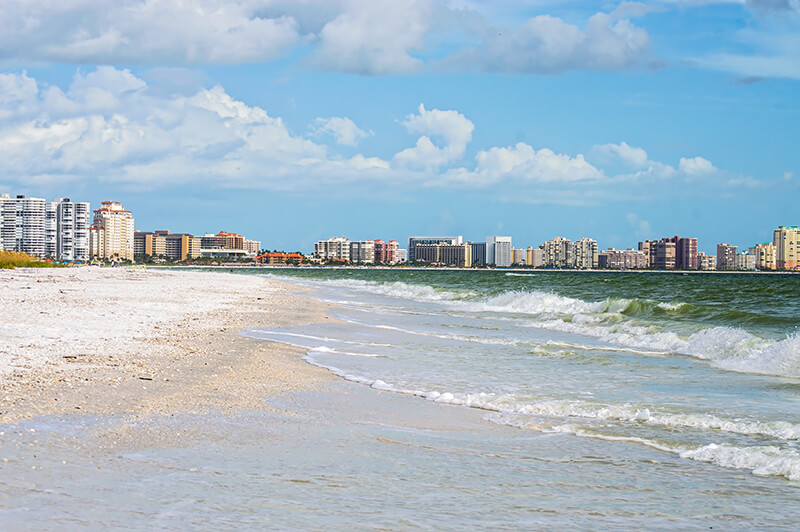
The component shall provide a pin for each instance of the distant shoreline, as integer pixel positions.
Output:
(453, 268)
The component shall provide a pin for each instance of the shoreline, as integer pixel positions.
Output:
(150, 354)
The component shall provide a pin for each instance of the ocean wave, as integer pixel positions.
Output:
(764, 461)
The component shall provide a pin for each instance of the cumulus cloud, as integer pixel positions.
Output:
(344, 130)
(375, 37)
(546, 44)
(622, 153)
(452, 129)
(110, 126)
(354, 36)
(143, 32)
(696, 166)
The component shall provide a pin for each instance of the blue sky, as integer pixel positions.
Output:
(293, 121)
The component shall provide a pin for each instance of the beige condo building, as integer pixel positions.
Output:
(787, 245)
(111, 234)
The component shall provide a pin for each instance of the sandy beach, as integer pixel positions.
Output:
(125, 340)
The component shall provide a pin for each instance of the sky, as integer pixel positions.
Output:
(291, 121)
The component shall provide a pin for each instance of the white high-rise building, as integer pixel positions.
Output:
(23, 224)
(57, 229)
(72, 229)
(111, 234)
(498, 250)
(337, 248)
(362, 251)
(585, 253)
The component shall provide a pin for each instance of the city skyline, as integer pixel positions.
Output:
(626, 121)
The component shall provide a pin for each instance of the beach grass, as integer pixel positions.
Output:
(15, 259)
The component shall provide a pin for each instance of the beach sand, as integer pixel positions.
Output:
(96, 340)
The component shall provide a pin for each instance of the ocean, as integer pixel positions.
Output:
(702, 368)
(467, 400)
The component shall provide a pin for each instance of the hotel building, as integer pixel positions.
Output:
(457, 255)
(111, 234)
(558, 253)
(413, 241)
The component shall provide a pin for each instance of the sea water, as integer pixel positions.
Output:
(468, 400)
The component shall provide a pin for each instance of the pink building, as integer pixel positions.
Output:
(386, 252)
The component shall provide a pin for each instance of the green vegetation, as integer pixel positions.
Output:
(14, 259)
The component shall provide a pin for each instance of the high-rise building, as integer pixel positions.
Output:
(414, 240)
(252, 247)
(558, 253)
(745, 261)
(765, 256)
(618, 259)
(706, 262)
(518, 256)
(478, 253)
(24, 222)
(111, 233)
(362, 251)
(337, 248)
(386, 252)
(585, 253)
(685, 253)
(787, 247)
(498, 250)
(726, 257)
(534, 257)
(72, 229)
(458, 255)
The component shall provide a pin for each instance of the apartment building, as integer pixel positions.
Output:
(534, 257)
(478, 253)
(57, 229)
(362, 251)
(706, 262)
(787, 248)
(337, 248)
(585, 253)
(726, 257)
(765, 256)
(745, 261)
(623, 259)
(386, 252)
(558, 253)
(518, 256)
(111, 233)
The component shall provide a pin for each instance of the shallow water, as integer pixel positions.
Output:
(478, 400)
(351, 457)
(706, 367)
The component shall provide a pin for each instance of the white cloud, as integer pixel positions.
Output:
(143, 31)
(372, 37)
(451, 128)
(546, 44)
(344, 130)
(696, 166)
(110, 126)
(622, 153)
(355, 36)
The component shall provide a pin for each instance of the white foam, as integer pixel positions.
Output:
(763, 461)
